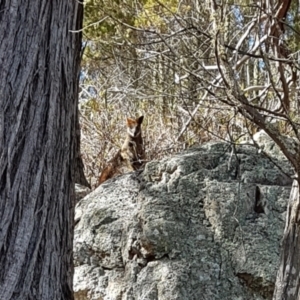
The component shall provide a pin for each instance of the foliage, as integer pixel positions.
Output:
(197, 71)
(158, 58)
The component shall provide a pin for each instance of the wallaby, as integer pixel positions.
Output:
(131, 156)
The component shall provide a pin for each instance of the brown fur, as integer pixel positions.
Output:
(131, 156)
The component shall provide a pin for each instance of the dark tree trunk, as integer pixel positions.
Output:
(288, 277)
(39, 70)
(79, 176)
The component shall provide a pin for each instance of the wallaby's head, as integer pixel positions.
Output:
(134, 126)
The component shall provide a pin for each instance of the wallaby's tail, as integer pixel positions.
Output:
(112, 168)
(106, 174)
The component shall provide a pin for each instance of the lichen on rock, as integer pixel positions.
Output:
(202, 224)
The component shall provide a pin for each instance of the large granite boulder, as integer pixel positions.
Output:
(203, 224)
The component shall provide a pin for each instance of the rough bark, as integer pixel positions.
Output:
(39, 68)
(288, 277)
(79, 166)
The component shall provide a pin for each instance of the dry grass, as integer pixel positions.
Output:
(103, 128)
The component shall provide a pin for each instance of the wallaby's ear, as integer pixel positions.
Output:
(140, 119)
(129, 121)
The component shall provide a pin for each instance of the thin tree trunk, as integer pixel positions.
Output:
(39, 70)
(288, 278)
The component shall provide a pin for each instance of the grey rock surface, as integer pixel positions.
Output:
(81, 191)
(203, 224)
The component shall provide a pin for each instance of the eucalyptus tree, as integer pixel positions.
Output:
(40, 45)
